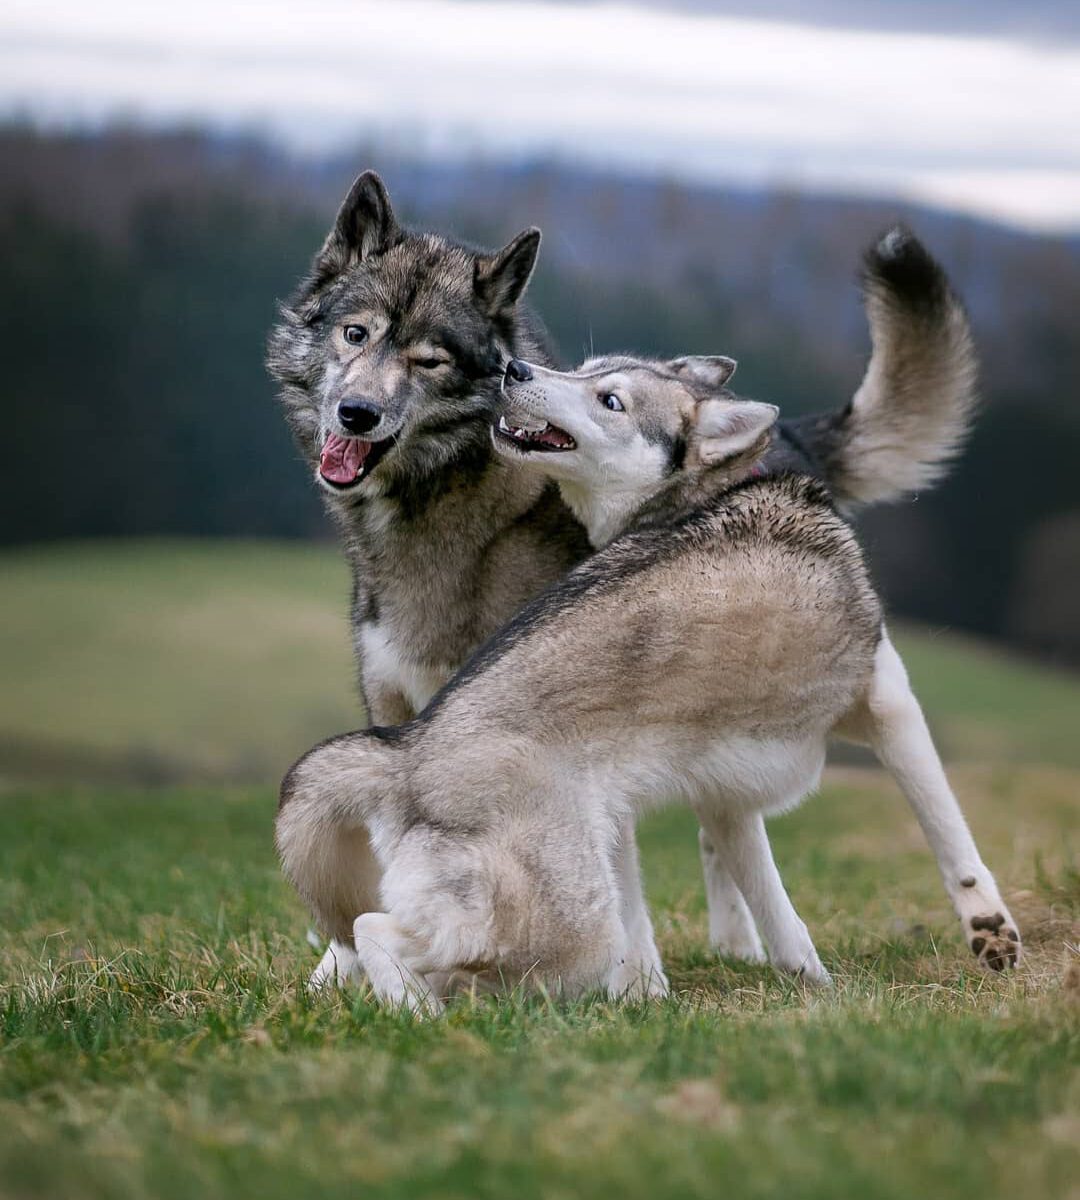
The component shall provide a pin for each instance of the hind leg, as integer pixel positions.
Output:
(335, 871)
(396, 964)
(742, 845)
(731, 927)
(893, 723)
(348, 877)
(351, 856)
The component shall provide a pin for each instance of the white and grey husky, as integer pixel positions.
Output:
(724, 630)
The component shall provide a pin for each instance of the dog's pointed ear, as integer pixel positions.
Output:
(365, 225)
(708, 370)
(500, 278)
(724, 429)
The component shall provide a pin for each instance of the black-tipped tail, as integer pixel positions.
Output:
(900, 265)
(914, 408)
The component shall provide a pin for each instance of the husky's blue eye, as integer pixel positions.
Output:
(355, 335)
(610, 401)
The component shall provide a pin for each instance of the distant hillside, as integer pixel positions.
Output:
(145, 268)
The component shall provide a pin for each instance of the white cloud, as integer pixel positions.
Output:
(979, 124)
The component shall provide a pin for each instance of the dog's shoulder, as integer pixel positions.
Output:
(788, 508)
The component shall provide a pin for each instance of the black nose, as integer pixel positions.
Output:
(518, 371)
(358, 416)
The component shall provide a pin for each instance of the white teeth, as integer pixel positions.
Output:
(516, 431)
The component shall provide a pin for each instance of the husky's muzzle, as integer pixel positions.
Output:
(345, 460)
(522, 432)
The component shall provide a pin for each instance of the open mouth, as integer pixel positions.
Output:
(344, 462)
(548, 438)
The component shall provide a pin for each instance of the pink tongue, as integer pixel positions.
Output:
(342, 459)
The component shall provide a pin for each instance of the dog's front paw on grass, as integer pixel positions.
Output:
(994, 941)
(338, 968)
(637, 981)
(815, 977)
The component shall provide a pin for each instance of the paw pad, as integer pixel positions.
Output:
(995, 944)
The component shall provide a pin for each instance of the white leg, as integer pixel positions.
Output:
(337, 967)
(644, 970)
(394, 964)
(896, 728)
(743, 847)
(731, 927)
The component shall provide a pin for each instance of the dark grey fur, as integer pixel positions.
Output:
(459, 540)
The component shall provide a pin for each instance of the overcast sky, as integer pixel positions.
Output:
(984, 119)
(1035, 20)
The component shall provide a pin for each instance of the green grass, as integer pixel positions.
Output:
(155, 1039)
(172, 660)
(988, 704)
(185, 661)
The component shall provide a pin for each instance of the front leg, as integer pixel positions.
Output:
(642, 968)
(338, 967)
(731, 927)
(386, 704)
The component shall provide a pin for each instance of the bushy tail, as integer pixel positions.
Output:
(915, 405)
(327, 801)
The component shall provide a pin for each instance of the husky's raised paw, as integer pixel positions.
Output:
(993, 941)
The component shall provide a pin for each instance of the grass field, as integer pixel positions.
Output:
(155, 1041)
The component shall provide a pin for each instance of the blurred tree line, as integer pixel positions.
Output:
(143, 270)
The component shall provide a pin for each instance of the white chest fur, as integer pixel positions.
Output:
(385, 665)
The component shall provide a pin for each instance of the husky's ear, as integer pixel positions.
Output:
(708, 370)
(724, 429)
(500, 278)
(365, 225)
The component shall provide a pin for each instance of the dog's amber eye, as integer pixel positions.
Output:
(356, 335)
(610, 401)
